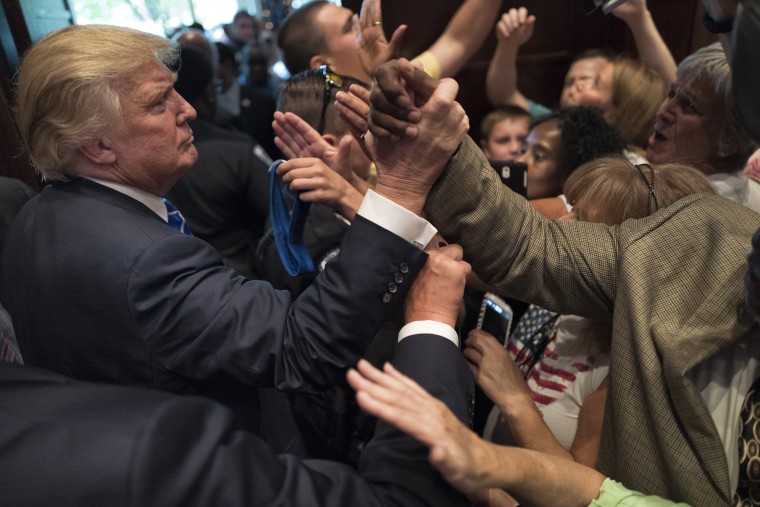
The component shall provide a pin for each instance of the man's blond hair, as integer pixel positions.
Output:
(67, 88)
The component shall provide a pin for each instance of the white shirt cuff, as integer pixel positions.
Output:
(429, 327)
(397, 219)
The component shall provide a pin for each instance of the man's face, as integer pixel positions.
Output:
(588, 83)
(154, 144)
(342, 52)
(542, 157)
(507, 139)
(688, 124)
(243, 29)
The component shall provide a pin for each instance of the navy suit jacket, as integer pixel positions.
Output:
(65, 443)
(101, 289)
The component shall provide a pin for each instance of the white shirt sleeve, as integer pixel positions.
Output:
(429, 327)
(397, 219)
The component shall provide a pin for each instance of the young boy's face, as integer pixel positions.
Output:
(506, 140)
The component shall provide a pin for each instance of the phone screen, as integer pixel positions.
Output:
(496, 320)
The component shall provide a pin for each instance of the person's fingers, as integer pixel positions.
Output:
(522, 15)
(390, 370)
(388, 79)
(454, 251)
(361, 94)
(352, 110)
(384, 125)
(342, 159)
(395, 42)
(417, 79)
(472, 354)
(379, 99)
(284, 148)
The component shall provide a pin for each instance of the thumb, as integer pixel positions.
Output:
(343, 157)
(418, 80)
(395, 42)
(447, 89)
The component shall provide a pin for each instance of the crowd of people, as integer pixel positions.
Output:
(241, 288)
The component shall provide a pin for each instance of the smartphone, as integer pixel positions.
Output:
(495, 317)
(513, 174)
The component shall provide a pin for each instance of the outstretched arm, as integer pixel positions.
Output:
(652, 49)
(465, 33)
(469, 463)
(513, 30)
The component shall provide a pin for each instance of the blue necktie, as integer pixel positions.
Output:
(287, 227)
(175, 218)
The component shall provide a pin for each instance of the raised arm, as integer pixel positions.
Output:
(465, 33)
(513, 30)
(652, 49)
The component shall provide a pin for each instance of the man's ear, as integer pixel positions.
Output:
(318, 60)
(331, 139)
(98, 151)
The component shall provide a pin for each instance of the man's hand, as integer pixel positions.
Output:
(407, 167)
(631, 11)
(374, 48)
(455, 451)
(297, 139)
(439, 288)
(515, 27)
(495, 372)
(316, 182)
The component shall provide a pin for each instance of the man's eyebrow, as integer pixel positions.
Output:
(349, 24)
(158, 92)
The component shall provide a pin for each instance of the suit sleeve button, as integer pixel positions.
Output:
(387, 298)
(404, 267)
(398, 277)
(392, 288)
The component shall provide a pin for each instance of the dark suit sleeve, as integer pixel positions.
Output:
(438, 366)
(202, 319)
(69, 443)
(212, 463)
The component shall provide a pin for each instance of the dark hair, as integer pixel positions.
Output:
(300, 38)
(226, 54)
(195, 74)
(585, 136)
(304, 95)
(242, 13)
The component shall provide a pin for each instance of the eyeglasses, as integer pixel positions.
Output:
(332, 80)
(650, 184)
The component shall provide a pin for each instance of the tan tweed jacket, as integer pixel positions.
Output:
(672, 284)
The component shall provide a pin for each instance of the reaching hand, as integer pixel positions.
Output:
(515, 27)
(495, 371)
(408, 166)
(439, 288)
(296, 138)
(316, 182)
(353, 109)
(455, 451)
(631, 10)
(374, 48)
